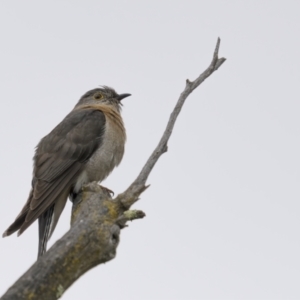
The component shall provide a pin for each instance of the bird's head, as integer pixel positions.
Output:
(103, 95)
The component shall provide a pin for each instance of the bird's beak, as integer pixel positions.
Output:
(122, 96)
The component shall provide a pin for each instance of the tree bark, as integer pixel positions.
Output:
(95, 223)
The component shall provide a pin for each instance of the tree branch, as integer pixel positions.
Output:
(130, 196)
(92, 240)
(96, 222)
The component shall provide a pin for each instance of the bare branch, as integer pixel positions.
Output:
(92, 240)
(130, 196)
(95, 223)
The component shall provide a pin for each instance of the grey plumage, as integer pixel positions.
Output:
(84, 147)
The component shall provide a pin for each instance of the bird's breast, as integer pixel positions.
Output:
(110, 152)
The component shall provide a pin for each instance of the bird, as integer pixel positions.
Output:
(84, 147)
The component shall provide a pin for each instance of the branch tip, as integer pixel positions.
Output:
(218, 45)
(216, 52)
(129, 215)
(219, 63)
(188, 82)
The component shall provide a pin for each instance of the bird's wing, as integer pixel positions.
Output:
(59, 159)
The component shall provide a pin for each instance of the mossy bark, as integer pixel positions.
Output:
(92, 239)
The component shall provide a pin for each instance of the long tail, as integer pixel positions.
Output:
(44, 229)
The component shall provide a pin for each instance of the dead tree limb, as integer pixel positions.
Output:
(96, 222)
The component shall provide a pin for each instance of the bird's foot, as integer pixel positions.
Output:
(111, 193)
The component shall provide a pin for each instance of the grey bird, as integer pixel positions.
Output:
(86, 146)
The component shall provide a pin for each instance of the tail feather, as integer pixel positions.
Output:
(16, 225)
(44, 229)
(20, 220)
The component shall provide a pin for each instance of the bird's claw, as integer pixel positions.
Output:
(107, 190)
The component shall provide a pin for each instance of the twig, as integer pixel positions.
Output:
(130, 196)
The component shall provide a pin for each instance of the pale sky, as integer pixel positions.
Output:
(223, 207)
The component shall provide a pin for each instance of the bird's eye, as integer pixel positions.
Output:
(98, 96)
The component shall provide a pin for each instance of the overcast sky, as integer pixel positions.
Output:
(223, 207)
